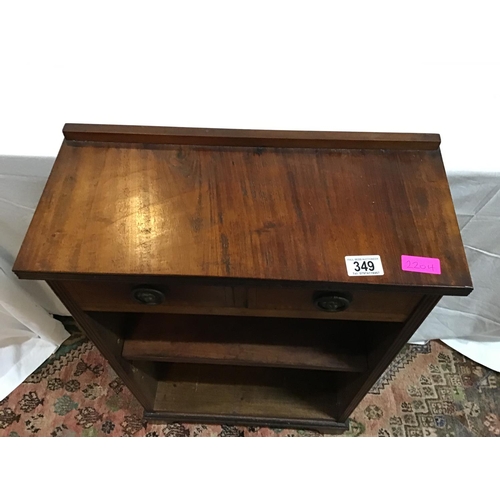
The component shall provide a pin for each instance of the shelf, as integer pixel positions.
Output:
(272, 342)
(208, 393)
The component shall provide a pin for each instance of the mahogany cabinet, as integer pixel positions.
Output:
(243, 276)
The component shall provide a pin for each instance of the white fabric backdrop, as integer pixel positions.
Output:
(28, 333)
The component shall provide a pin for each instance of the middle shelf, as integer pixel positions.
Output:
(250, 341)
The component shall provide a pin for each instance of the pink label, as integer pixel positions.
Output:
(414, 264)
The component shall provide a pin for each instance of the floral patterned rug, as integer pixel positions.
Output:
(427, 391)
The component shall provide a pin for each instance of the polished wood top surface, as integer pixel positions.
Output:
(224, 206)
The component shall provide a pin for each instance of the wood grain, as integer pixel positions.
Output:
(245, 213)
(318, 345)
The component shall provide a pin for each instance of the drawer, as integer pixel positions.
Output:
(359, 305)
(129, 297)
(242, 301)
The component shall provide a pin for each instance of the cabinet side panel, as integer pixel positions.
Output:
(106, 331)
(382, 354)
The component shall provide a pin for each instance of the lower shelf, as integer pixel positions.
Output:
(246, 395)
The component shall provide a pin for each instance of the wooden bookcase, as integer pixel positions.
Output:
(209, 268)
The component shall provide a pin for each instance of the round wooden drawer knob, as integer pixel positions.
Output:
(332, 301)
(148, 296)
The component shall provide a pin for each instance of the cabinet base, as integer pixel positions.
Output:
(162, 417)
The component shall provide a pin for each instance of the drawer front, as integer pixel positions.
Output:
(128, 297)
(244, 301)
(359, 305)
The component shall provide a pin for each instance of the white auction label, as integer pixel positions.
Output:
(364, 265)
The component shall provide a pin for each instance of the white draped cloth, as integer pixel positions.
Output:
(29, 333)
